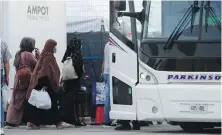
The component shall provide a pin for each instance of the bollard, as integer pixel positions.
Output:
(99, 115)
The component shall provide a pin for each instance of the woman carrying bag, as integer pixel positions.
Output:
(24, 64)
(45, 78)
(72, 72)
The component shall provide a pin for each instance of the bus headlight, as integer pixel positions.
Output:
(142, 76)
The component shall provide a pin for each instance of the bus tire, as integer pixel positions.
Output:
(189, 127)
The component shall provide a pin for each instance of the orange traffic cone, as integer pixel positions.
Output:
(99, 115)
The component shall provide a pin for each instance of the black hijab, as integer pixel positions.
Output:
(27, 44)
(74, 51)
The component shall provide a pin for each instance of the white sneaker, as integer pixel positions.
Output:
(64, 125)
(2, 131)
(10, 127)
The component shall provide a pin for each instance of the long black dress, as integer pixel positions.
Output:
(71, 87)
(67, 101)
(40, 116)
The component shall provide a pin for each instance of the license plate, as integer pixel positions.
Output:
(198, 108)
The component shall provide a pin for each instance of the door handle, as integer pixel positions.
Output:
(113, 57)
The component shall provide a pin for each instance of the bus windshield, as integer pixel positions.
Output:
(163, 17)
(197, 47)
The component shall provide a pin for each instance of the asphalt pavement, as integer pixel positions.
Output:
(163, 129)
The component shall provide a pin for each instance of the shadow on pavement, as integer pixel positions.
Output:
(206, 131)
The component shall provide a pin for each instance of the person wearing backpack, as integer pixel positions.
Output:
(24, 64)
(72, 72)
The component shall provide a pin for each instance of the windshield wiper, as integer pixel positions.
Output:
(192, 10)
(210, 13)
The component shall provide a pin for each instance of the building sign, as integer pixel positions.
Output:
(36, 12)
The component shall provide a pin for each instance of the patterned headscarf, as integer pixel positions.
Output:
(74, 51)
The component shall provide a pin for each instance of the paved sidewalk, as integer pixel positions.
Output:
(99, 130)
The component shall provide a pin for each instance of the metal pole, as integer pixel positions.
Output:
(147, 12)
(102, 30)
(2, 115)
(2, 120)
(133, 25)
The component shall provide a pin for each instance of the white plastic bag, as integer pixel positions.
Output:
(32, 98)
(68, 71)
(40, 99)
(6, 93)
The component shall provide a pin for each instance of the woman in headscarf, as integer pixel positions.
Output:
(45, 74)
(16, 105)
(71, 86)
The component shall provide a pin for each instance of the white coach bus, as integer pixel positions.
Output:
(173, 73)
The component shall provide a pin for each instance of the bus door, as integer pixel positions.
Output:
(123, 61)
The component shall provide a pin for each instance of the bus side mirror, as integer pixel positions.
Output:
(120, 5)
